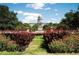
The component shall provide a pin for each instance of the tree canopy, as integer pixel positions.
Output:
(71, 20)
(8, 19)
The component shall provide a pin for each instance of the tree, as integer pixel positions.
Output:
(50, 25)
(19, 26)
(8, 19)
(27, 25)
(47, 26)
(71, 19)
(34, 27)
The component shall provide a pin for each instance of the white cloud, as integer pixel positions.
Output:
(36, 5)
(55, 10)
(29, 19)
(54, 20)
(32, 14)
(19, 11)
(53, 3)
(56, 14)
(14, 3)
(27, 13)
(47, 8)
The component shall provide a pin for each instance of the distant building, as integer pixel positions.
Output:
(40, 26)
(39, 23)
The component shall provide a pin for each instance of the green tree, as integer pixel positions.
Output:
(19, 26)
(47, 26)
(34, 27)
(50, 25)
(71, 19)
(27, 25)
(8, 19)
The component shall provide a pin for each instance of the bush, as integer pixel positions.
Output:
(58, 47)
(6, 44)
(77, 48)
(2, 45)
(12, 47)
(16, 41)
(71, 43)
(22, 39)
(67, 46)
(53, 43)
(21, 48)
(3, 42)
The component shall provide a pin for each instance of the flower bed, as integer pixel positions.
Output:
(55, 42)
(18, 41)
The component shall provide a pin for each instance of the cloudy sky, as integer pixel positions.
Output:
(28, 12)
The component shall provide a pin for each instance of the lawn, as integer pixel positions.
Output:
(34, 47)
(10, 53)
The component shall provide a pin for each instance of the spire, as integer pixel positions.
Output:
(39, 23)
(39, 19)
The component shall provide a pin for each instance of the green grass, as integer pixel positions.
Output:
(10, 53)
(34, 47)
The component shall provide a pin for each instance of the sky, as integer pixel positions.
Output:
(49, 12)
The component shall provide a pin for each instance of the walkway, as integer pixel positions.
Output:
(34, 47)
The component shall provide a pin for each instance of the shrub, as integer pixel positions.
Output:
(50, 42)
(71, 43)
(66, 46)
(6, 44)
(15, 41)
(77, 47)
(3, 42)
(22, 39)
(2, 45)
(21, 48)
(53, 43)
(58, 47)
(12, 47)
